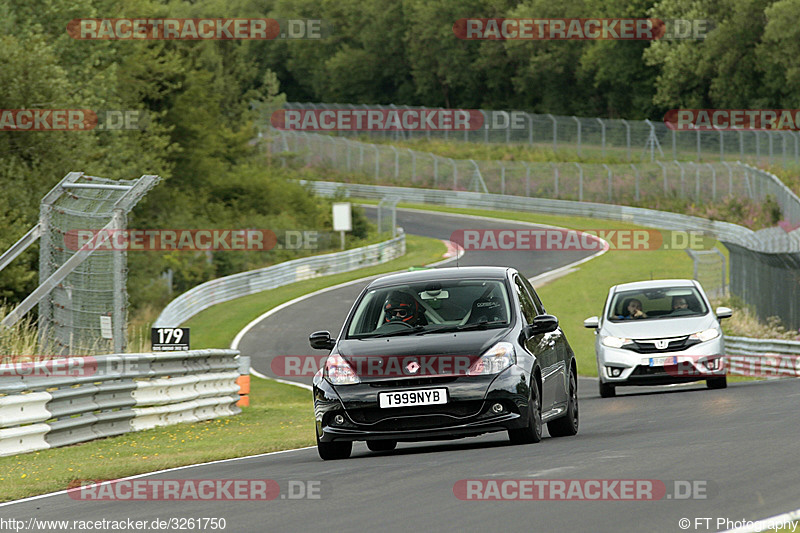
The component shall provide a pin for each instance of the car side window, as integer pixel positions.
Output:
(535, 297)
(528, 309)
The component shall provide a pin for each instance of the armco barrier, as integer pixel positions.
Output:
(121, 393)
(224, 289)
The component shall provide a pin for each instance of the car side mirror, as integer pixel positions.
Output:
(321, 340)
(724, 312)
(541, 324)
(592, 322)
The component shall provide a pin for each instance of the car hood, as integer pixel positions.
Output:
(658, 328)
(437, 353)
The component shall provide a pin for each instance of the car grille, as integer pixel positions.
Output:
(642, 370)
(433, 380)
(416, 417)
(674, 344)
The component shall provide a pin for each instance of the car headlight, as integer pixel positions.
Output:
(339, 372)
(496, 359)
(705, 335)
(615, 342)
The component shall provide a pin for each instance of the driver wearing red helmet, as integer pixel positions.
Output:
(402, 307)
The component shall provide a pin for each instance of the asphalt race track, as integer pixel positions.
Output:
(738, 444)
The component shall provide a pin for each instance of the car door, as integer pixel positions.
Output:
(559, 384)
(542, 346)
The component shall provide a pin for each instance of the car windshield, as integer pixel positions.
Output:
(656, 303)
(430, 307)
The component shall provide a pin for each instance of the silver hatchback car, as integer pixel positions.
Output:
(658, 332)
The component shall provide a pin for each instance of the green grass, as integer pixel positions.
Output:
(216, 326)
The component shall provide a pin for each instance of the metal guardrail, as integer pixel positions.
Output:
(227, 288)
(95, 397)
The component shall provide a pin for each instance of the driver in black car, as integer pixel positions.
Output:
(402, 307)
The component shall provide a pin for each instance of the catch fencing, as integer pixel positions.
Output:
(589, 137)
(612, 183)
(46, 404)
(82, 294)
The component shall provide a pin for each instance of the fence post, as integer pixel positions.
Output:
(555, 132)
(530, 128)
(713, 182)
(610, 180)
(627, 137)
(783, 143)
(580, 181)
(527, 179)
(578, 122)
(721, 147)
(769, 138)
(396, 161)
(377, 161)
(698, 145)
(683, 193)
(603, 136)
(555, 179)
(502, 178)
(636, 182)
(413, 165)
(730, 178)
(435, 171)
(696, 181)
(674, 145)
(455, 173)
(485, 126)
(663, 174)
(741, 145)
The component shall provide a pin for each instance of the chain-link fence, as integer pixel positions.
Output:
(82, 294)
(710, 270)
(625, 140)
(620, 183)
(387, 215)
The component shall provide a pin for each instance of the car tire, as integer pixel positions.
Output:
(532, 432)
(334, 450)
(381, 445)
(717, 383)
(567, 425)
(607, 390)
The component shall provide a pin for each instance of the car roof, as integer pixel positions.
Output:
(653, 284)
(433, 274)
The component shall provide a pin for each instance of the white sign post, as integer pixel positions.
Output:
(342, 219)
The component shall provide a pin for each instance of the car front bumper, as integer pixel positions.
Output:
(468, 411)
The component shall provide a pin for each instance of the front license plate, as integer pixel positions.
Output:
(662, 361)
(412, 397)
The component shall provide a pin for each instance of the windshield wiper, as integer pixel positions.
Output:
(479, 325)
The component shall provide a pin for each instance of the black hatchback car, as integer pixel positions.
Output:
(444, 354)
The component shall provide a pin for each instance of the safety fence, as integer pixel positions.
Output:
(631, 140)
(612, 183)
(775, 252)
(46, 404)
(227, 288)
